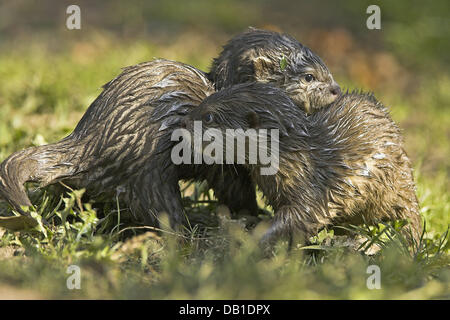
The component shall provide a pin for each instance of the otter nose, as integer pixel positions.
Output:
(335, 90)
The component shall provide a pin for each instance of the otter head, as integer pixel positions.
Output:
(305, 78)
(251, 124)
(279, 60)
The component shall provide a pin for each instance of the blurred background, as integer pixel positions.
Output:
(49, 75)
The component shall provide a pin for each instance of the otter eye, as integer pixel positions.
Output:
(208, 118)
(309, 77)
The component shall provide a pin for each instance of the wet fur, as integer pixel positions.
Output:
(343, 164)
(119, 147)
(255, 55)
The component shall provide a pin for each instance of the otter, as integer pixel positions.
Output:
(277, 59)
(104, 154)
(345, 163)
(118, 147)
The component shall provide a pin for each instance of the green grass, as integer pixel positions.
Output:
(43, 94)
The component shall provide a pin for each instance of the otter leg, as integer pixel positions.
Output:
(234, 188)
(152, 194)
(277, 231)
(293, 224)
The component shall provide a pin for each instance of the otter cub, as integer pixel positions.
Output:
(121, 146)
(116, 148)
(343, 164)
(278, 59)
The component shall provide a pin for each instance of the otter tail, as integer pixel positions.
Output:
(44, 164)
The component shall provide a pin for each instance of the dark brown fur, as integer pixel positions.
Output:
(118, 147)
(278, 59)
(121, 146)
(343, 164)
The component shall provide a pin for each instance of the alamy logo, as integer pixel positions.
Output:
(73, 21)
(210, 147)
(374, 280)
(74, 280)
(374, 20)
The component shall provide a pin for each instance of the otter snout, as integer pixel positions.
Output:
(335, 90)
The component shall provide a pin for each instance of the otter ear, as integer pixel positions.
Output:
(252, 119)
(261, 67)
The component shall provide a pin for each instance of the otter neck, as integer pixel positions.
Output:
(305, 166)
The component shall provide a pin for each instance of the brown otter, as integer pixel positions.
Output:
(118, 146)
(345, 163)
(278, 59)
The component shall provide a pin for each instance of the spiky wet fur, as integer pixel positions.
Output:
(278, 59)
(343, 164)
(115, 148)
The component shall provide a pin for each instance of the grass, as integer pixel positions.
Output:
(43, 93)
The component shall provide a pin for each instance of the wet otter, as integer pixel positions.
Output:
(122, 146)
(278, 59)
(117, 146)
(343, 164)
(114, 149)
